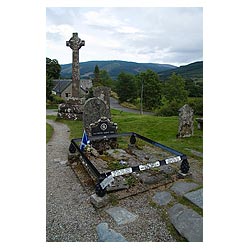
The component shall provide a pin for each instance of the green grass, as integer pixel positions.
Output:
(51, 106)
(51, 117)
(49, 132)
(160, 129)
(76, 127)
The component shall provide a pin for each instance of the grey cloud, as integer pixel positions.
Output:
(54, 36)
(164, 34)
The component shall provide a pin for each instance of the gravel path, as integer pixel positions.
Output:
(68, 206)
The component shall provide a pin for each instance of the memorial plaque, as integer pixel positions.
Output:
(103, 127)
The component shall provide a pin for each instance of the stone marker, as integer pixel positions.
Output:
(108, 235)
(186, 123)
(180, 188)
(187, 222)
(195, 197)
(75, 43)
(97, 122)
(72, 109)
(121, 215)
(93, 110)
(200, 123)
(162, 198)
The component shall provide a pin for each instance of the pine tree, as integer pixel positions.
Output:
(96, 80)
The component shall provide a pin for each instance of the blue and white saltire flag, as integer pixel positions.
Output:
(85, 141)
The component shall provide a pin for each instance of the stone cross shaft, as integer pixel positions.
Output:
(75, 43)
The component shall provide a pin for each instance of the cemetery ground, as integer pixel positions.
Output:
(149, 215)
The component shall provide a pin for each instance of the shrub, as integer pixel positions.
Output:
(170, 108)
(197, 105)
(55, 99)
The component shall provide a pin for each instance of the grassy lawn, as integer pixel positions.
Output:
(51, 106)
(160, 129)
(49, 132)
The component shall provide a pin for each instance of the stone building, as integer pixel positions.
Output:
(63, 87)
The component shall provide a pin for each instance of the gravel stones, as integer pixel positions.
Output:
(69, 214)
(187, 222)
(108, 235)
(121, 215)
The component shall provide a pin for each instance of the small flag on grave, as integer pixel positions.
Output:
(85, 140)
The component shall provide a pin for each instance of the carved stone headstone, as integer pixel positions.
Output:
(103, 127)
(186, 123)
(93, 110)
(103, 93)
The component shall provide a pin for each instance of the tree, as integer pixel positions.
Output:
(126, 87)
(105, 79)
(96, 80)
(53, 70)
(175, 96)
(175, 89)
(194, 88)
(149, 83)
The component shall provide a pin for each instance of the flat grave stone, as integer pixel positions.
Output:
(121, 215)
(105, 234)
(167, 169)
(162, 198)
(195, 197)
(180, 188)
(187, 222)
(150, 178)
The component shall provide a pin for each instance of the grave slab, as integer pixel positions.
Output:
(121, 215)
(187, 222)
(106, 234)
(195, 197)
(180, 188)
(149, 178)
(162, 198)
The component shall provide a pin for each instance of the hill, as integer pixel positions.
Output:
(114, 68)
(192, 70)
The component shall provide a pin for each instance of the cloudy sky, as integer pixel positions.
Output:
(158, 35)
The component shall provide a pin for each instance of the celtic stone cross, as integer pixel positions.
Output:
(75, 43)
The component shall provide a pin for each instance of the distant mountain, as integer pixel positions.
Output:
(114, 68)
(192, 70)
